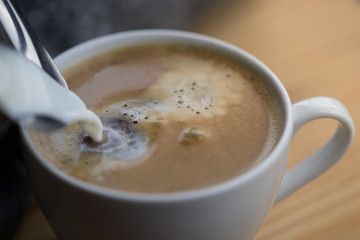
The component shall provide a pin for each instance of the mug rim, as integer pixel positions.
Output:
(72, 56)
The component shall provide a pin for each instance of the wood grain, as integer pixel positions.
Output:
(313, 46)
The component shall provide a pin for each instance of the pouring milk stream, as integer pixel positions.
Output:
(26, 91)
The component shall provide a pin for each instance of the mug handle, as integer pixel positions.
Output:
(327, 155)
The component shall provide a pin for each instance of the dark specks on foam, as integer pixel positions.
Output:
(193, 96)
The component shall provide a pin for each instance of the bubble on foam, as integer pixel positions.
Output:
(193, 135)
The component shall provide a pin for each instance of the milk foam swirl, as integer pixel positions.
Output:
(121, 141)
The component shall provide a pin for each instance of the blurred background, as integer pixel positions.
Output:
(62, 24)
(311, 45)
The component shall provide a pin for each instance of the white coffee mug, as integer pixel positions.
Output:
(232, 210)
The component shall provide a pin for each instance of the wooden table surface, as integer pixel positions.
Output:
(313, 46)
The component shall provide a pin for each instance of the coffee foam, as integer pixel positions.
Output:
(182, 97)
(187, 104)
(195, 93)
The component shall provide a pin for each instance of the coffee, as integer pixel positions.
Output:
(175, 118)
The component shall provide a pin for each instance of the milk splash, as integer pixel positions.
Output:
(27, 91)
